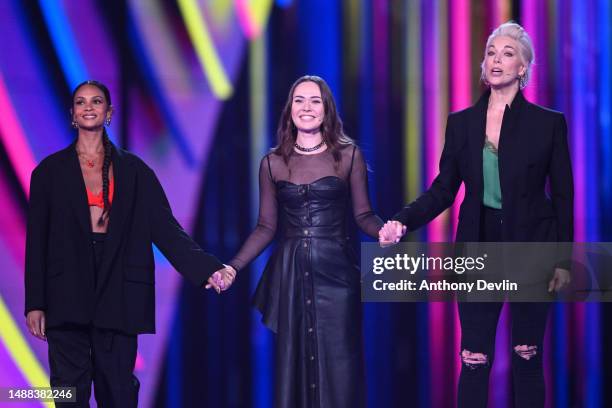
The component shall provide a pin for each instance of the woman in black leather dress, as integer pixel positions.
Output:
(309, 293)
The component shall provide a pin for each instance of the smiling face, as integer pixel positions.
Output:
(503, 64)
(307, 108)
(90, 108)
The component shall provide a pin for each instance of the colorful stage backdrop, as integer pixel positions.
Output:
(197, 88)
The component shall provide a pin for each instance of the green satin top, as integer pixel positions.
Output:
(490, 170)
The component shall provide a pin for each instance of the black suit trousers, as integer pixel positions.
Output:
(80, 354)
(478, 329)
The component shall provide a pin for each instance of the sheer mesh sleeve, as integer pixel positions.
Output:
(265, 230)
(365, 217)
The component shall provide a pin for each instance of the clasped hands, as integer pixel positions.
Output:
(393, 231)
(222, 279)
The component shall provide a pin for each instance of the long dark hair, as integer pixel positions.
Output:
(107, 148)
(332, 130)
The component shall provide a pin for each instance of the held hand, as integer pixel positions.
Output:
(35, 321)
(222, 279)
(391, 233)
(559, 280)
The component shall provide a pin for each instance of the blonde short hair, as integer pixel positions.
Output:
(526, 51)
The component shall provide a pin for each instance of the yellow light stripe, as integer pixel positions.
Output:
(253, 17)
(20, 351)
(412, 124)
(260, 13)
(258, 97)
(205, 49)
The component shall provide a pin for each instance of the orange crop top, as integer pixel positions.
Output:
(97, 200)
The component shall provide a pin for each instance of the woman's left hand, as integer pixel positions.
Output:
(559, 280)
(222, 279)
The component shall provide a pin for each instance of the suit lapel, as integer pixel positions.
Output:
(511, 148)
(476, 134)
(123, 198)
(76, 191)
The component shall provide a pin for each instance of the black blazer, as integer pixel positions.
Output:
(532, 150)
(59, 267)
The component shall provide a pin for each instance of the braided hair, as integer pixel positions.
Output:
(105, 182)
(107, 150)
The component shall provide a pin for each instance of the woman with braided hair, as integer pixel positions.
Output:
(95, 210)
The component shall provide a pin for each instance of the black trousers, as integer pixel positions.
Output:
(478, 329)
(80, 354)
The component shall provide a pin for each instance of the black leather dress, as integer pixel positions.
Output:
(309, 293)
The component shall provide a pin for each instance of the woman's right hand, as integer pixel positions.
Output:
(391, 233)
(35, 320)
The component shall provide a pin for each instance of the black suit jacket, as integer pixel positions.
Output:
(533, 149)
(59, 258)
